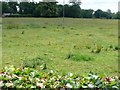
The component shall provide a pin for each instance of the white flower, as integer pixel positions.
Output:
(20, 78)
(70, 74)
(115, 87)
(33, 74)
(9, 84)
(15, 76)
(51, 71)
(90, 86)
(1, 84)
(33, 87)
(40, 85)
(116, 77)
(84, 87)
(95, 76)
(37, 79)
(68, 85)
(43, 80)
(88, 78)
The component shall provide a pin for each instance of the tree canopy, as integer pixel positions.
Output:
(50, 8)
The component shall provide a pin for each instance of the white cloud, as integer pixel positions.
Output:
(101, 4)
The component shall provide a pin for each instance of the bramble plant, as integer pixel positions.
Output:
(19, 78)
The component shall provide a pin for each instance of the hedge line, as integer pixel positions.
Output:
(29, 78)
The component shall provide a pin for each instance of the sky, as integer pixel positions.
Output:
(96, 4)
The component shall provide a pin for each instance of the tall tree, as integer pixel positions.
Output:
(72, 10)
(87, 13)
(60, 10)
(27, 7)
(5, 8)
(109, 14)
(46, 9)
(98, 13)
(13, 6)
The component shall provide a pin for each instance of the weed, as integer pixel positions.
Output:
(72, 28)
(12, 26)
(70, 55)
(32, 62)
(88, 47)
(119, 36)
(63, 27)
(59, 25)
(79, 57)
(90, 34)
(97, 48)
(76, 34)
(44, 27)
(116, 48)
(22, 32)
(4, 35)
(110, 46)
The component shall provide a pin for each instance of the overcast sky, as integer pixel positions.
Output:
(96, 4)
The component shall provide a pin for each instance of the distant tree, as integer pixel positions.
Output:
(116, 15)
(5, 8)
(75, 2)
(60, 10)
(67, 10)
(23, 7)
(46, 9)
(13, 7)
(98, 13)
(109, 14)
(87, 13)
(0, 8)
(72, 10)
(27, 7)
(38, 10)
(49, 1)
(75, 11)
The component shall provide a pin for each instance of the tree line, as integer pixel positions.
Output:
(52, 9)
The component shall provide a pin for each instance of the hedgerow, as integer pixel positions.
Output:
(30, 78)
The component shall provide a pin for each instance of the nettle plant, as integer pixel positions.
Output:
(29, 78)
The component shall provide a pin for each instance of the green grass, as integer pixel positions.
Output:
(25, 39)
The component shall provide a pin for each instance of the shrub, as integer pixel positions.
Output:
(29, 78)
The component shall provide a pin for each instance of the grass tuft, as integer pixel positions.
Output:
(32, 63)
(79, 57)
(12, 26)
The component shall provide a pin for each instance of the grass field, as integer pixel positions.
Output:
(80, 46)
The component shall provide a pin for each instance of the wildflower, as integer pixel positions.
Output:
(1, 84)
(9, 84)
(90, 86)
(41, 85)
(68, 85)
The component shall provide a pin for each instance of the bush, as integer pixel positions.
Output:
(29, 78)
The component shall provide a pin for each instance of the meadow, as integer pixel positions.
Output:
(77, 45)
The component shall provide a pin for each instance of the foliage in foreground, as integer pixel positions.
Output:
(12, 77)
